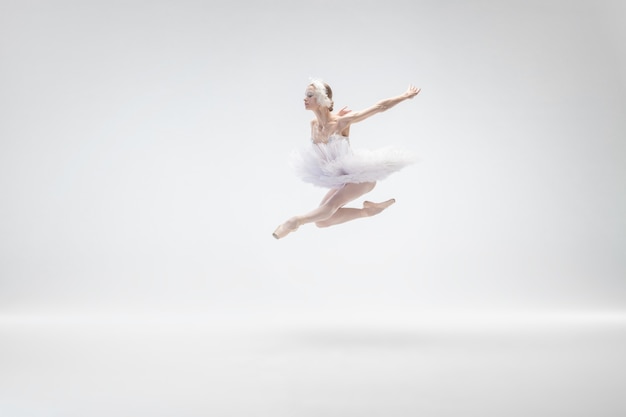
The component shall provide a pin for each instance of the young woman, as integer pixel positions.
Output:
(330, 162)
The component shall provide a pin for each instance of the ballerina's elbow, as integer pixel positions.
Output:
(382, 106)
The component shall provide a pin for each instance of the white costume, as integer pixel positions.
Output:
(335, 163)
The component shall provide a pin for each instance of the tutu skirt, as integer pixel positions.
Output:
(334, 164)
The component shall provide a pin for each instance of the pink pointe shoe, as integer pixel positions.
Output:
(284, 229)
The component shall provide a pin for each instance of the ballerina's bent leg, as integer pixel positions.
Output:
(345, 214)
(331, 211)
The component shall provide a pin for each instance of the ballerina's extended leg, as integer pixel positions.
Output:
(292, 224)
(333, 203)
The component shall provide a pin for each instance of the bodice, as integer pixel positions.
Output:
(332, 138)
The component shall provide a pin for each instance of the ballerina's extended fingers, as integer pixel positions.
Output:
(343, 111)
(413, 91)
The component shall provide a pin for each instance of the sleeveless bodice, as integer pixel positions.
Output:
(332, 138)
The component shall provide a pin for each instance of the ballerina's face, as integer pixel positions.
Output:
(310, 101)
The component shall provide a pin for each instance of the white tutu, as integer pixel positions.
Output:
(335, 163)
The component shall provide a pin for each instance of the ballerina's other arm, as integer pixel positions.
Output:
(357, 116)
(342, 112)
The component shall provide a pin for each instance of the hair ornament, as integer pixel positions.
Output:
(320, 93)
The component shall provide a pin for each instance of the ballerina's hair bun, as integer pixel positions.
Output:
(323, 93)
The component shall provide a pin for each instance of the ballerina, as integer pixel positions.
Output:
(330, 162)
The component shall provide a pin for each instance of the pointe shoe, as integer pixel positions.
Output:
(375, 208)
(283, 230)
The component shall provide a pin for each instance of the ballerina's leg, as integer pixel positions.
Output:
(333, 202)
(328, 195)
(345, 214)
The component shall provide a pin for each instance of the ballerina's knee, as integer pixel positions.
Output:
(322, 223)
(328, 210)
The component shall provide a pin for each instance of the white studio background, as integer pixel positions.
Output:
(144, 145)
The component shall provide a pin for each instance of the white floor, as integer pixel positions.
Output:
(457, 365)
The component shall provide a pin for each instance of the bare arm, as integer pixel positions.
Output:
(357, 116)
(342, 112)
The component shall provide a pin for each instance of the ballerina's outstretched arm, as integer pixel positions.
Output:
(357, 116)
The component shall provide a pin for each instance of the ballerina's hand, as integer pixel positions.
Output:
(343, 111)
(412, 91)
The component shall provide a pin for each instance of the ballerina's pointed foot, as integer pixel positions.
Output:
(375, 208)
(285, 228)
